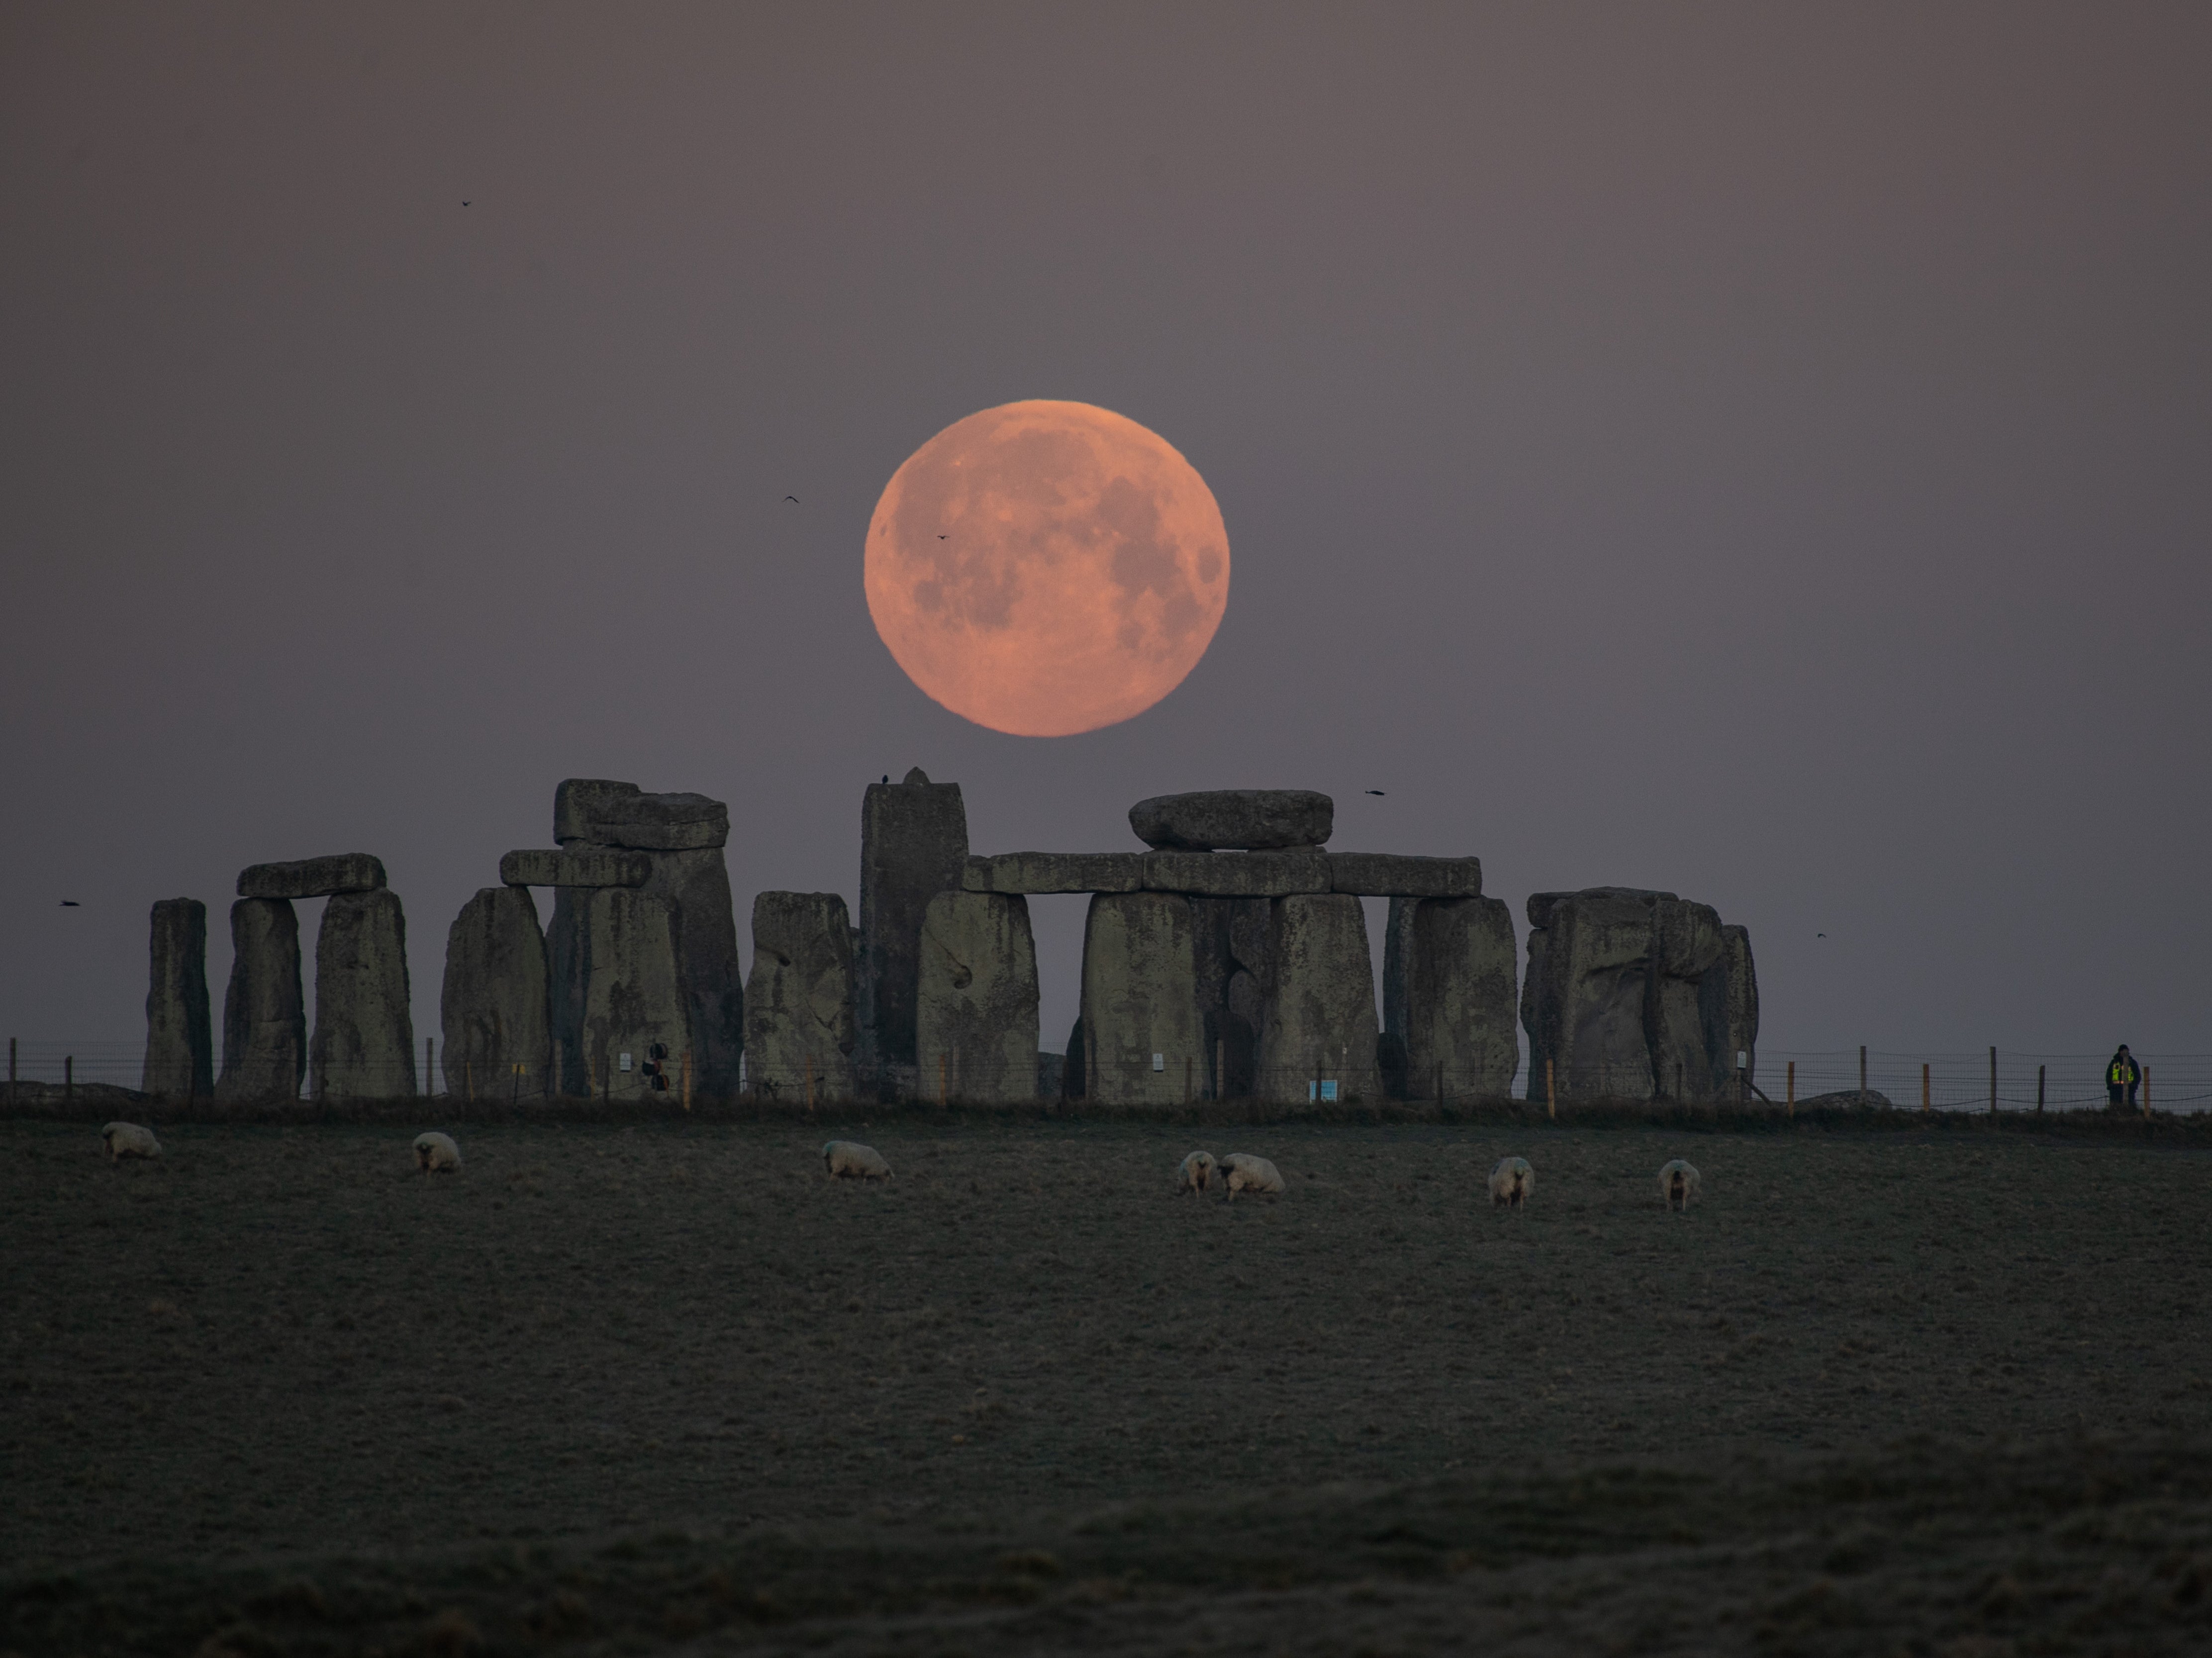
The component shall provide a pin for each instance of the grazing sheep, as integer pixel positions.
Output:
(1196, 1173)
(850, 1160)
(436, 1154)
(128, 1139)
(1242, 1172)
(1511, 1182)
(1678, 1185)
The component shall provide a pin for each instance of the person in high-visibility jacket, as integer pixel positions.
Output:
(2121, 1077)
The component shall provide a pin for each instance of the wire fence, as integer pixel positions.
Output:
(1984, 1079)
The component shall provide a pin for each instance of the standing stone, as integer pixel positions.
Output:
(682, 836)
(1231, 955)
(1075, 1071)
(1727, 1000)
(1320, 1018)
(1686, 945)
(180, 1049)
(1448, 984)
(914, 845)
(1597, 963)
(634, 1002)
(264, 1021)
(493, 1009)
(1140, 998)
(364, 1040)
(1539, 1016)
(976, 1008)
(799, 1002)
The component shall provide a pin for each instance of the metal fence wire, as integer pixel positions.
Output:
(1983, 1079)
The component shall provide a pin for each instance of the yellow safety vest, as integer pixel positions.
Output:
(2117, 1075)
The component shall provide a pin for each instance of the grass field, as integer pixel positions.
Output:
(627, 1365)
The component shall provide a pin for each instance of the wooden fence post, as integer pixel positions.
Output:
(514, 1086)
(2146, 1087)
(69, 1077)
(687, 1079)
(1793, 1088)
(1550, 1091)
(2039, 1070)
(1861, 1067)
(1993, 1082)
(11, 1073)
(1221, 1069)
(1923, 1086)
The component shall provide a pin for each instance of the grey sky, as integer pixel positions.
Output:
(1755, 451)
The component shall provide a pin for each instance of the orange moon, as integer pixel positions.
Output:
(1044, 568)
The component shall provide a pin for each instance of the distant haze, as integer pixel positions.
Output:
(1758, 452)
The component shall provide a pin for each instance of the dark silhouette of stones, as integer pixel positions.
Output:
(264, 1022)
(635, 1001)
(682, 836)
(1236, 874)
(180, 1045)
(1249, 820)
(1728, 1003)
(493, 1007)
(590, 867)
(1231, 942)
(1391, 875)
(1448, 1002)
(1075, 1070)
(976, 1007)
(363, 1048)
(914, 845)
(1319, 1023)
(1055, 872)
(1140, 998)
(1633, 994)
(800, 1029)
(312, 878)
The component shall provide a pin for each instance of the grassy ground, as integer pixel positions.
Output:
(277, 1350)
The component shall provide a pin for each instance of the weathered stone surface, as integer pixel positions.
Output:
(1686, 945)
(1597, 955)
(1230, 941)
(1236, 874)
(1320, 1016)
(493, 1008)
(634, 1002)
(1728, 1006)
(589, 867)
(1390, 875)
(800, 1031)
(264, 1021)
(1050, 1076)
(976, 1008)
(681, 837)
(1250, 820)
(1635, 994)
(914, 845)
(312, 878)
(1140, 997)
(598, 813)
(180, 1045)
(363, 1048)
(1447, 997)
(1056, 872)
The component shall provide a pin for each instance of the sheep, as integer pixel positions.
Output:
(436, 1154)
(128, 1139)
(1678, 1185)
(850, 1160)
(1196, 1174)
(1242, 1172)
(1511, 1182)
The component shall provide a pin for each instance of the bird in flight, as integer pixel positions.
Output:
(1375, 791)
(794, 500)
(1820, 935)
(941, 537)
(464, 204)
(71, 903)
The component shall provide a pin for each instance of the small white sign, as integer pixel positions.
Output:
(1159, 1061)
(1742, 1059)
(625, 1062)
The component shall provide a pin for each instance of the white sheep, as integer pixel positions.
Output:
(1678, 1185)
(128, 1139)
(436, 1154)
(1511, 1182)
(1196, 1173)
(850, 1160)
(1242, 1172)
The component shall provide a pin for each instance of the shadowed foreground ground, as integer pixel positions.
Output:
(667, 1382)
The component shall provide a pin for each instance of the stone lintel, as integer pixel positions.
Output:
(1396, 875)
(1236, 874)
(312, 878)
(542, 867)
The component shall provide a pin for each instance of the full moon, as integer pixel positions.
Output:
(1044, 568)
